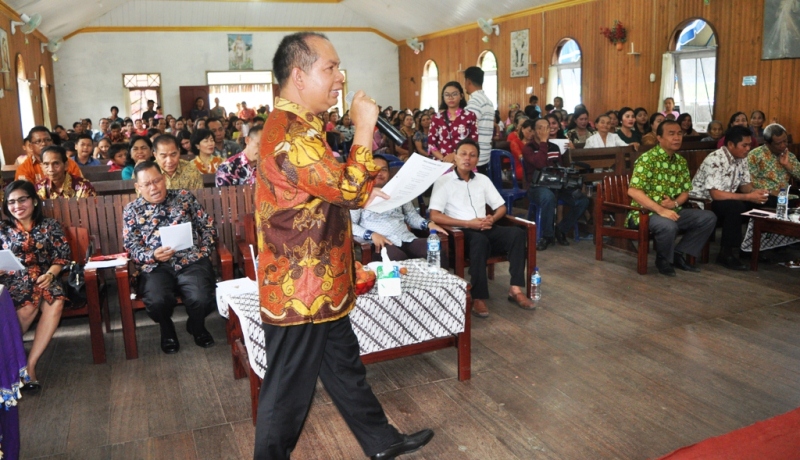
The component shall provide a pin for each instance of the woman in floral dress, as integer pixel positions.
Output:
(40, 245)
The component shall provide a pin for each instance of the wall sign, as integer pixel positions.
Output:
(749, 80)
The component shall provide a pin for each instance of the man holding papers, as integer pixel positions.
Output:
(181, 267)
(390, 228)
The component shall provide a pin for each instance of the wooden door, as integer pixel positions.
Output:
(189, 94)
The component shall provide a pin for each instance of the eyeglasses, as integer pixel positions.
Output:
(152, 183)
(45, 141)
(20, 200)
(451, 95)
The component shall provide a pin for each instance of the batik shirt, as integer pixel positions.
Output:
(210, 168)
(186, 177)
(304, 195)
(720, 171)
(659, 174)
(73, 186)
(444, 134)
(31, 169)
(142, 219)
(767, 172)
(236, 170)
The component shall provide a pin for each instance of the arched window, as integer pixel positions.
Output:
(25, 102)
(564, 79)
(690, 70)
(429, 96)
(45, 98)
(488, 63)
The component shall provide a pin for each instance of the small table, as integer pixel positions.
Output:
(431, 313)
(770, 225)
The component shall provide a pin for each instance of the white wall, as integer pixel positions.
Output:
(88, 74)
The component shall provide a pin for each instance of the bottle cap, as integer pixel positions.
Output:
(433, 232)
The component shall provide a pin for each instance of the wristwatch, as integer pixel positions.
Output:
(368, 235)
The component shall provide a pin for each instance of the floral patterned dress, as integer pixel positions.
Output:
(38, 249)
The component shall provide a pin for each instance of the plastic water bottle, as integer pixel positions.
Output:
(536, 285)
(783, 201)
(434, 251)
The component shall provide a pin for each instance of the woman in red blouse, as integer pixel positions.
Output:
(452, 124)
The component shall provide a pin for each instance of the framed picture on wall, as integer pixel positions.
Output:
(240, 51)
(519, 53)
(5, 59)
(781, 29)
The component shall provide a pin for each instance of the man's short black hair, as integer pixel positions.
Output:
(76, 124)
(36, 129)
(150, 101)
(468, 141)
(143, 166)
(116, 148)
(68, 146)
(212, 119)
(772, 130)
(475, 75)
(58, 126)
(88, 120)
(255, 130)
(379, 156)
(83, 136)
(57, 149)
(533, 99)
(165, 139)
(735, 134)
(114, 107)
(115, 126)
(294, 51)
(660, 129)
(152, 132)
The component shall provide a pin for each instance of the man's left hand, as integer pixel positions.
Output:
(433, 226)
(376, 192)
(668, 203)
(783, 159)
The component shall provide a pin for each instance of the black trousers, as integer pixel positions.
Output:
(481, 244)
(296, 356)
(417, 249)
(195, 284)
(729, 214)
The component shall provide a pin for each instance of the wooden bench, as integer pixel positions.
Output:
(618, 159)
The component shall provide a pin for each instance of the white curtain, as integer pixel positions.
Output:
(667, 79)
(552, 83)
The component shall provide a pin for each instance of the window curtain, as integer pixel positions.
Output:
(667, 79)
(552, 83)
(255, 88)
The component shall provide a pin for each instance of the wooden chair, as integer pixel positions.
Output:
(459, 261)
(128, 303)
(96, 300)
(612, 197)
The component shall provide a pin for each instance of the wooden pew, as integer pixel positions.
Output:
(619, 159)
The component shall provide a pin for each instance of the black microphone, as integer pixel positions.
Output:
(384, 126)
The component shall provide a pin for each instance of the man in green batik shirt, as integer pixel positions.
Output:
(661, 184)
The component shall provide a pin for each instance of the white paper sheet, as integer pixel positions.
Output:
(759, 213)
(411, 181)
(106, 263)
(177, 237)
(9, 262)
(561, 143)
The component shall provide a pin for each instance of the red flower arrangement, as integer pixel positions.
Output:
(616, 34)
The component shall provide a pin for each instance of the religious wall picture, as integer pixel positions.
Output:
(519, 53)
(240, 51)
(5, 60)
(781, 29)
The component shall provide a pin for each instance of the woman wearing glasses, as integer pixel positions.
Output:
(40, 245)
(452, 124)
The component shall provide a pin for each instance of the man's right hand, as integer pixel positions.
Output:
(364, 114)
(380, 241)
(757, 196)
(163, 254)
(668, 214)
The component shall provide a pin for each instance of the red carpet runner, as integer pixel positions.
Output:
(777, 438)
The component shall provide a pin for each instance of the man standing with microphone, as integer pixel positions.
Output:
(305, 255)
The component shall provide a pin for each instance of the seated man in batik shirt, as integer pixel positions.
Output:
(178, 173)
(165, 272)
(772, 165)
(58, 183)
(240, 169)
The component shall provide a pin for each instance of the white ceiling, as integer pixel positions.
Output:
(399, 19)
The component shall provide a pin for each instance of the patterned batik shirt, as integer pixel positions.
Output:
(304, 197)
(210, 168)
(720, 171)
(659, 174)
(186, 177)
(236, 170)
(142, 219)
(444, 134)
(392, 224)
(767, 172)
(73, 186)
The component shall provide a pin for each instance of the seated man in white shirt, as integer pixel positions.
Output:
(459, 199)
(390, 229)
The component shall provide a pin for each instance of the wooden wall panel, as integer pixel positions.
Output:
(10, 125)
(613, 79)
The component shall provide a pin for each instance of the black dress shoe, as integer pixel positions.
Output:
(732, 262)
(202, 338)
(561, 237)
(410, 443)
(169, 338)
(543, 243)
(31, 388)
(664, 267)
(680, 262)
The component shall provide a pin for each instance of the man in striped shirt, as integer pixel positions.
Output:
(482, 107)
